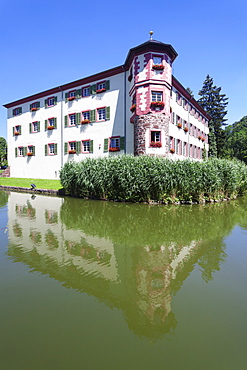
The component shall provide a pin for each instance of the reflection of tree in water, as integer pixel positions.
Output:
(213, 255)
(3, 198)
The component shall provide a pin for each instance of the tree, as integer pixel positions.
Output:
(3, 152)
(212, 152)
(190, 91)
(214, 103)
(236, 140)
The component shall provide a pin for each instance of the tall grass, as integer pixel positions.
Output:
(144, 179)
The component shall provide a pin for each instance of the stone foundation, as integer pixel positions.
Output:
(146, 122)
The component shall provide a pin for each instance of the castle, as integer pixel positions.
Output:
(137, 108)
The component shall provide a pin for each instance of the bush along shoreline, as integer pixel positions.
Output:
(155, 179)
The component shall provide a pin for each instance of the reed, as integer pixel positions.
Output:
(145, 179)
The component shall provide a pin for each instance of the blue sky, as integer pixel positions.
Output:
(46, 43)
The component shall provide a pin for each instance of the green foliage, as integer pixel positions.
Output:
(3, 152)
(214, 103)
(145, 179)
(235, 144)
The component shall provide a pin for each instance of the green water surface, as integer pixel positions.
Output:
(100, 285)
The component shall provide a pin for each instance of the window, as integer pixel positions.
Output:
(72, 119)
(86, 146)
(17, 130)
(155, 139)
(51, 121)
(101, 114)
(86, 91)
(17, 111)
(21, 151)
(31, 150)
(51, 101)
(101, 87)
(173, 117)
(72, 94)
(35, 126)
(185, 149)
(157, 96)
(157, 60)
(34, 106)
(171, 145)
(85, 117)
(114, 144)
(72, 147)
(51, 149)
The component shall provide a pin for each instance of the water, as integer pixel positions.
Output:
(97, 285)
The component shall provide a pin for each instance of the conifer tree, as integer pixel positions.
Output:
(214, 103)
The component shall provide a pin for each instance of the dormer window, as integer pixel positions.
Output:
(17, 111)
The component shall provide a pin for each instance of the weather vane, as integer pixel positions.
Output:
(151, 34)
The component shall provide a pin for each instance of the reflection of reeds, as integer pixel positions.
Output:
(154, 178)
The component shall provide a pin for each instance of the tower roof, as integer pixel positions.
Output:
(153, 46)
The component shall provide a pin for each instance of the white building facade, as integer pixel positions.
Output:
(138, 108)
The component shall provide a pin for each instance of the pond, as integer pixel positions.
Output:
(103, 285)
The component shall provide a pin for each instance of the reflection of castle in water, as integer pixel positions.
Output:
(126, 255)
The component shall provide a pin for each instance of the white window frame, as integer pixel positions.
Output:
(155, 136)
(20, 151)
(51, 101)
(157, 96)
(72, 119)
(85, 146)
(35, 126)
(157, 60)
(51, 149)
(86, 91)
(86, 115)
(101, 112)
(114, 142)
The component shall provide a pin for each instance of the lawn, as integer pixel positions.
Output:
(26, 183)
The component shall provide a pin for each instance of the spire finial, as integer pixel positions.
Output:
(151, 34)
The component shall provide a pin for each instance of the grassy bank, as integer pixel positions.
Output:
(25, 183)
(144, 179)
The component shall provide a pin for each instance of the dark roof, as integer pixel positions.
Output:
(151, 45)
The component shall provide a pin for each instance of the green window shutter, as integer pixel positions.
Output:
(65, 148)
(107, 85)
(78, 118)
(20, 129)
(78, 93)
(55, 100)
(91, 146)
(38, 126)
(38, 104)
(16, 152)
(93, 89)
(66, 96)
(30, 128)
(122, 143)
(24, 151)
(65, 121)
(33, 150)
(55, 149)
(20, 110)
(92, 115)
(30, 107)
(46, 124)
(46, 103)
(107, 113)
(46, 149)
(106, 145)
(78, 147)
(55, 122)
(13, 130)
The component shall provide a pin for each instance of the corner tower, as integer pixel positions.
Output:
(150, 82)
